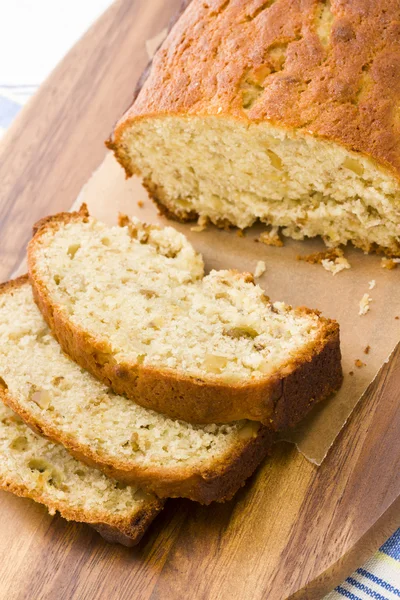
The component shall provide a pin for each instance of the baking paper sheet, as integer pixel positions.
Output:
(286, 279)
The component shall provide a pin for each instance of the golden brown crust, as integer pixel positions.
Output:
(12, 284)
(215, 481)
(114, 529)
(60, 217)
(273, 400)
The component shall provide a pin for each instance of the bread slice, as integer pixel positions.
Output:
(276, 111)
(33, 467)
(131, 305)
(127, 442)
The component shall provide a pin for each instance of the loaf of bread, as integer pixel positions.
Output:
(280, 111)
(129, 443)
(131, 305)
(35, 468)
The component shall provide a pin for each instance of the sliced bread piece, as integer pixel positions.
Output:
(132, 444)
(131, 305)
(33, 467)
(280, 111)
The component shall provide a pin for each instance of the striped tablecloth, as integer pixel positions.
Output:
(58, 26)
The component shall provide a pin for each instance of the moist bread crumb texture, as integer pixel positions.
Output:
(278, 111)
(64, 402)
(36, 468)
(146, 294)
(139, 296)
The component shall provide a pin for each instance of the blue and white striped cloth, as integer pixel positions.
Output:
(379, 578)
(57, 26)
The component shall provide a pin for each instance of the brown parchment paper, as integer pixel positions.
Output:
(286, 279)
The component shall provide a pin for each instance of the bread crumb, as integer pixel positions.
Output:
(240, 232)
(317, 257)
(390, 263)
(336, 266)
(359, 363)
(367, 349)
(372, 284)
(140, 203)
(332, 260)
(271, 238)
(351, 372)
(364, 304)
(202, 223)
(260, 269)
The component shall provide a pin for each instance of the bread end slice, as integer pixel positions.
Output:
(34, 467)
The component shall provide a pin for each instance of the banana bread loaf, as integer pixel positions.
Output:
(280, 111)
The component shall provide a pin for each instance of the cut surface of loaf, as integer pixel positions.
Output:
(279, 111)
(129, 443)
(33, 467)
(131, 305)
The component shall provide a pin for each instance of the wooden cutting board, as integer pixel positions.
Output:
(295, 530)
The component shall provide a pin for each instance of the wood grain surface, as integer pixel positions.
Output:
(295, 530)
